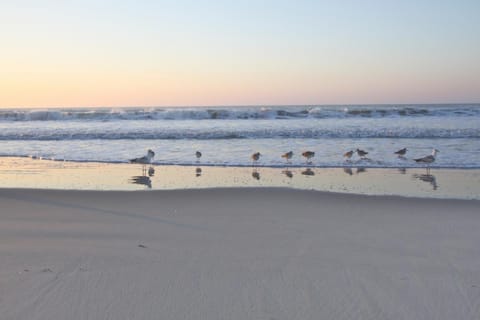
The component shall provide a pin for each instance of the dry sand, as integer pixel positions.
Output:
(236, 254)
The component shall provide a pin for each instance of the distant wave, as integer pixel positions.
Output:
(259, 133)
(237, 113)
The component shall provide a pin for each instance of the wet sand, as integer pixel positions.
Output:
(46, 174)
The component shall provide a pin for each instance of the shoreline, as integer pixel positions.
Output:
(27, 173)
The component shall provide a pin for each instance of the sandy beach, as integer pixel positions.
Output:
(235, 253)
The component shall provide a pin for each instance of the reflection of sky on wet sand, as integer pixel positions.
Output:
(442, 183)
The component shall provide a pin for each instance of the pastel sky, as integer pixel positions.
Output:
(168, 53)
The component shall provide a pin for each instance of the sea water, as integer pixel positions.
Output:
(227, 136)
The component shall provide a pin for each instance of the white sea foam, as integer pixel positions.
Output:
(230, 135)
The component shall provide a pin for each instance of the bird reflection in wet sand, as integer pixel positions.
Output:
(151, 171)
(142, 180)
(429, 178)
(256, 175)
(348, 171)
(198, 172)
(361, 170)
(308, 172)
(288, 173)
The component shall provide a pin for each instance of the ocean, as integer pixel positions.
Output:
(227, 136)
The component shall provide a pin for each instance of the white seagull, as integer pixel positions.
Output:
(428, 159)
(145, 159)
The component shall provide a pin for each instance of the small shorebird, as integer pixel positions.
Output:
(198, 154)
(362, 153)
(288, 155)
(256, 175)
(308, 155)
(255, 157)
(347, 155)
(198, 172)
(401, 152)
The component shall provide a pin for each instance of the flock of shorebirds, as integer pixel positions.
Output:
(308, 155)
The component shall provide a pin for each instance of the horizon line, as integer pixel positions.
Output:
(250, 105)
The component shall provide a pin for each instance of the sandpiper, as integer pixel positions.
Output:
(198, 154)
(401, 152)
(308, 155)
(255, 157)
(362, 153)
(288, 155)
(347, 155)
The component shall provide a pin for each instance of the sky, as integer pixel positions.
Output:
(259, 52)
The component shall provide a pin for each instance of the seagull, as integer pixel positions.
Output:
(362, 153)
(428, 159)
(347, 155)
(145, 159)
(308, 155)
(288, 155)
(198, 154)
(255, 157)
(401, 152)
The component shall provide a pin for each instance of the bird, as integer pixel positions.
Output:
(145, 159)
(362, 153)
(255, 157)
(198, 154)
(288, 155)
(347, 155)
(401, 152)
(256, 175)
(308, 155)
(198, 172)
(428, 159)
